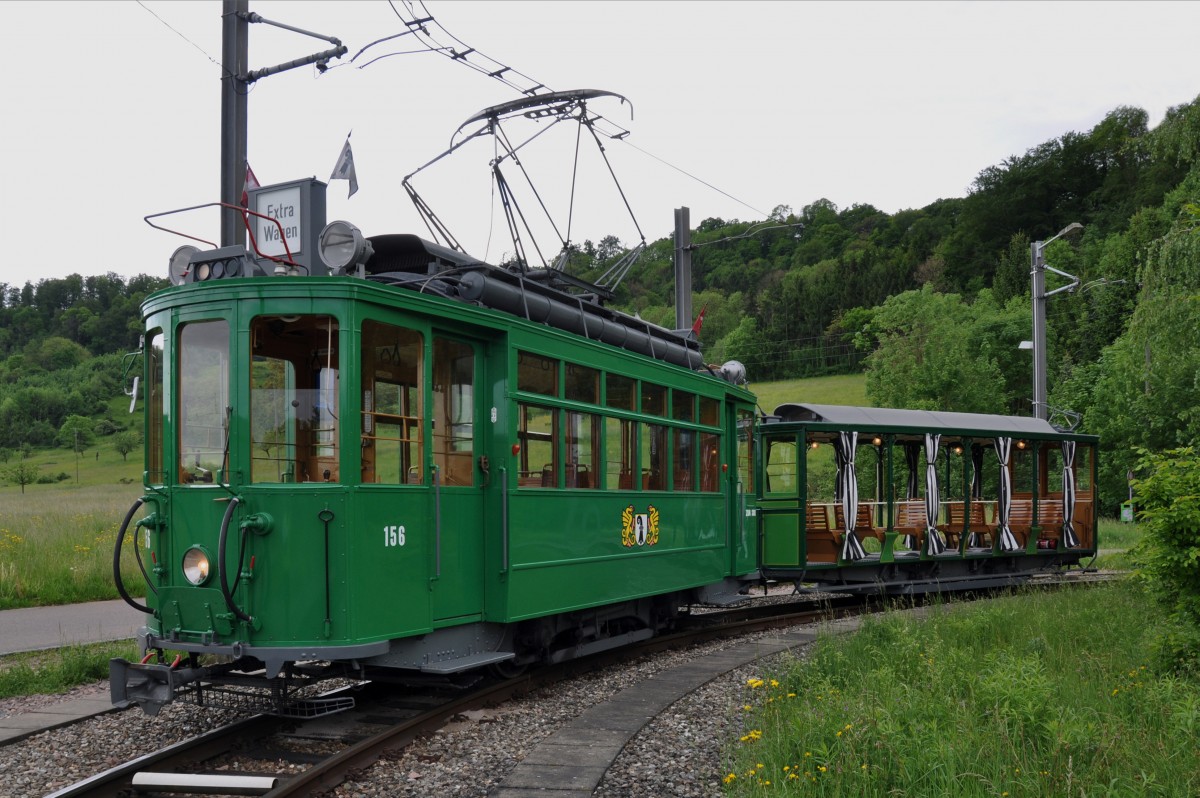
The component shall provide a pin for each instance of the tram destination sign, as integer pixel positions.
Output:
(295, 215)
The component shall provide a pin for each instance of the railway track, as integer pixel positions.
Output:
(264, 755)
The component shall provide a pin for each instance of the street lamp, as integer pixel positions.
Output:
(1037, 275)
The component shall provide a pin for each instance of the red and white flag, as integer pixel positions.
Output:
(699, 321)
(251, 183)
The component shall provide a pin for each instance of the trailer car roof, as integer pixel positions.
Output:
(923, 419)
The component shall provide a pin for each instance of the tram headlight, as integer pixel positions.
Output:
(343, 246)
(195, 565)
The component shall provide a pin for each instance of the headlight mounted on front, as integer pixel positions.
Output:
(195, 565)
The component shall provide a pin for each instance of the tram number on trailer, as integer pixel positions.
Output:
(393, 536)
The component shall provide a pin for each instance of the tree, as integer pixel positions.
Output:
(126, 442)
(22, 474)
(76, 433)
(1144, 394)
(932, 354)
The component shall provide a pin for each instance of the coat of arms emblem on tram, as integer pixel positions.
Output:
(639, 529)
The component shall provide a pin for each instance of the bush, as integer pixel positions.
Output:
(1169, 555)
(105, 426)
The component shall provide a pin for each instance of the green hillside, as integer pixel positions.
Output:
(839, 389)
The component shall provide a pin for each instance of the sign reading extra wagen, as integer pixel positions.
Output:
(290, 221)
(281, 206)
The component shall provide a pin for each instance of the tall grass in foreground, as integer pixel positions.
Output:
(56, 545)
(1039, 694)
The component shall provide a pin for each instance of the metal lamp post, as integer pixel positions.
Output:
(1037, 275)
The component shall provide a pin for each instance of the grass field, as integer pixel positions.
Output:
(842, 389)
(1040, 694)
(56, 543)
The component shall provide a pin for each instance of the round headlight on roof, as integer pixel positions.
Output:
(343, 246)
(180, 264)
(195, 565)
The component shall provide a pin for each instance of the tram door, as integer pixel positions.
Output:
(456, 478)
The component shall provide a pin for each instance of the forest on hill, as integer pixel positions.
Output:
(932, 303)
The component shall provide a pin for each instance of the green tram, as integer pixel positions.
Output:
(403, 460)
(413, 463)
(911, 501)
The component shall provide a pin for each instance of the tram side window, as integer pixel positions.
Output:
(454, 411)
(620, 391)
(203, 397)
(654, 399)
(746, 450)
(537, 374)
(620, 445)
(537, 433)
(583, 450)
(710, 462)
(391, 404)
(782, 468)
(654, 457)
(710, 445)
(582, 384)
(294, 391)
(685, 459)
(683, 406)
(155, 417)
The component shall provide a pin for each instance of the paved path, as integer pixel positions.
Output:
(36, 628)
(572, 762)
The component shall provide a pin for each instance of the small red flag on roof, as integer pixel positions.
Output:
(699, 321)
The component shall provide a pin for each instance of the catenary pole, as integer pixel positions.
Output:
(234, 57)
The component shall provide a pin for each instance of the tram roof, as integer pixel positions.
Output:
(921, 419)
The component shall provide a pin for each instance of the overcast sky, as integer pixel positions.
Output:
(112, 109)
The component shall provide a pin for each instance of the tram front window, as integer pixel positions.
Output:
(203, 399)
(294, 399)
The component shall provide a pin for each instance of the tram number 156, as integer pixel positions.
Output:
(393, 536)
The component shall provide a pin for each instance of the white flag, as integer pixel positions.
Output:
(344, 170)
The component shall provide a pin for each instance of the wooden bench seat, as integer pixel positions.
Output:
(863, 525)
(822, 544)
(956, 526)
(910, 520)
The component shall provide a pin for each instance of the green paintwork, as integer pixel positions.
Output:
(564, 546)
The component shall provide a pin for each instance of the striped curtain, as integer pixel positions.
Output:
(933, 539)
(848, 487)
(1070, 539)
(1008, 541)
